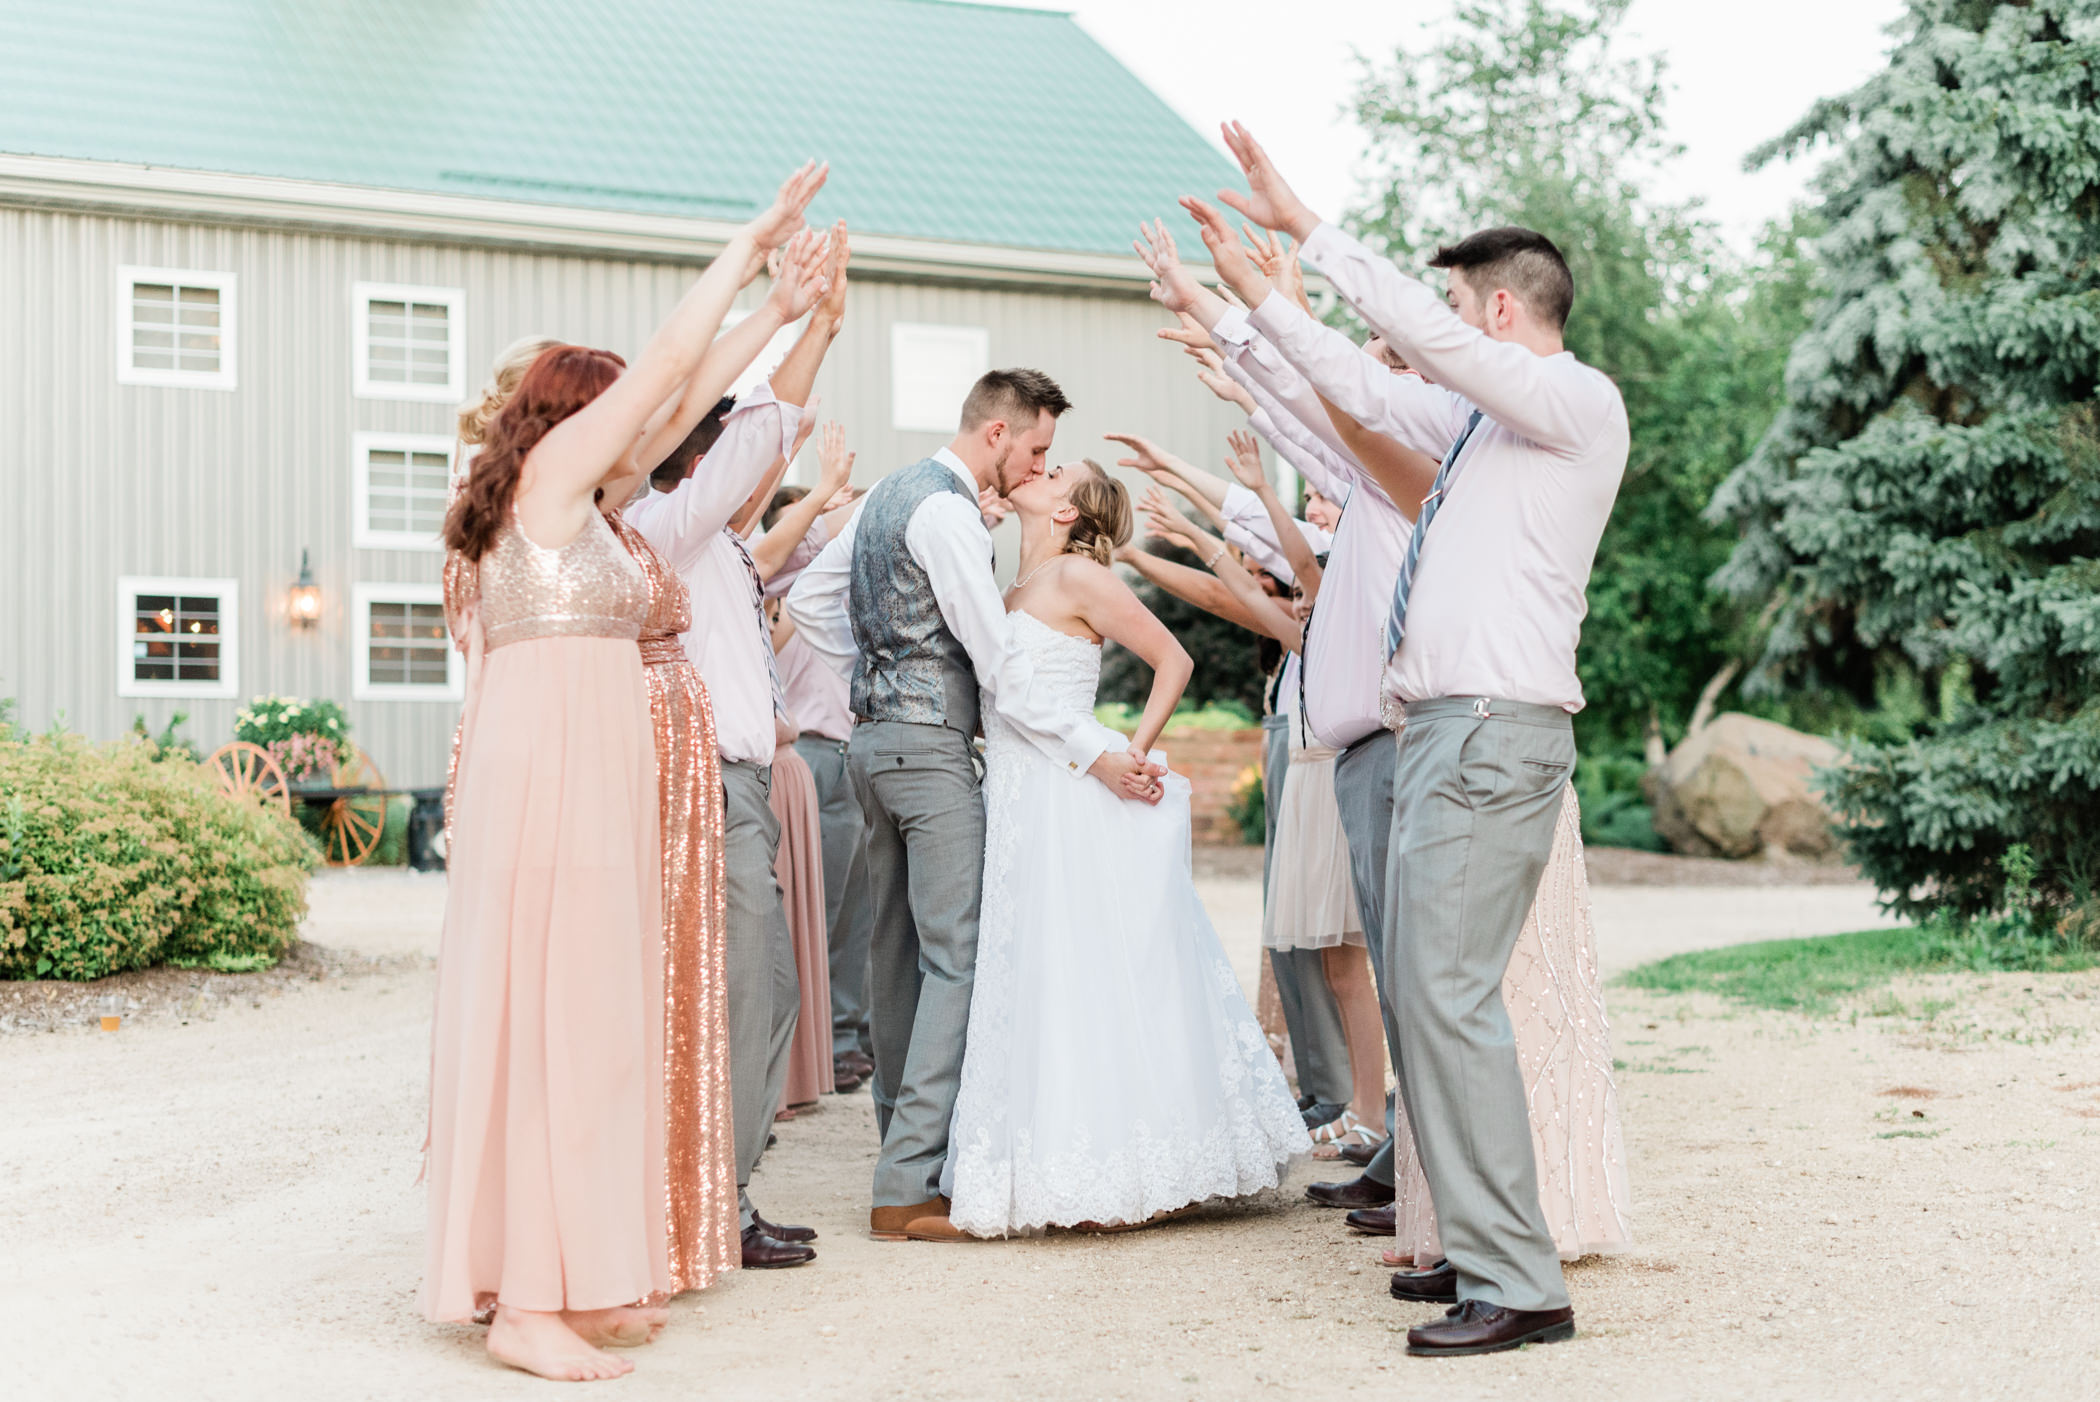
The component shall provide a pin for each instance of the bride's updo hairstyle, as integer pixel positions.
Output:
(1104, 520)
(476, 415)
(562, 380)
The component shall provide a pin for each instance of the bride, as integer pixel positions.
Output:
(1113, 1072)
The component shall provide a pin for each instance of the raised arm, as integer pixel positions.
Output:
(565, 468)
(1109, 607)
(1165, 468)
(745, 520)
(836, 468)
(797, 374)
(1191, 586)
(1245, 463)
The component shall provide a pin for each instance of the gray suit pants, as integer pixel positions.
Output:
(1310, 1015)
(848, 918)
(765, 993)
(1363, 790)
(924, 802)
(1476, 794)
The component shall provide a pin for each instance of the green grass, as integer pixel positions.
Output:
(1217, 716)
(1812, 975)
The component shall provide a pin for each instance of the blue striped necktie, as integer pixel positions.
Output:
(1396, 621)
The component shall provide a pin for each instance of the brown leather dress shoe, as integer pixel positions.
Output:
(800, 1236)
(765, 1253)
(1357, 1192)
(1371, 1221)
(1436, 1286)
(935, 1227)
(1478, 1327)
(889, 1223)
(855, 1061)
(1361, 1154)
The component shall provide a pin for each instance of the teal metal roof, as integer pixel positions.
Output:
(974, 123)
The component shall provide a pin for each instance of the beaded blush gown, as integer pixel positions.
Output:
(546, 1157)
(1555, 995)
(699, 1140)
(799, 868)
(1112, 1070)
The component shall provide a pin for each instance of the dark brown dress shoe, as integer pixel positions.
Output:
(1371, 1221)
(800, 1236)
(1477, 1327)
(765, 1253)
(1357, 1192)
(855, 1061)
(1436, 1286)
(843, 1081)
(1361, 1154)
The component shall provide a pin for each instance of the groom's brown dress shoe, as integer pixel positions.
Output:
(889, 1223)
(765, 1253)
(1371, 1221)
(800, 1236)
(1357, 1192)
(1436, 1286)
(935, 1227)
(1478, 1327)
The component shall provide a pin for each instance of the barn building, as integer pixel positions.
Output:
(253, 254)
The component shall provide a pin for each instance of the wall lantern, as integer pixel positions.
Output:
(304, 600)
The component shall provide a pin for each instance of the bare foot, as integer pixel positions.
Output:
(625, 1327)
(540, 1343)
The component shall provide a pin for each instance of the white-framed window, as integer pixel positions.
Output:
(178, 637)
(175, 327)
(402, 485)
(402, 651)
(408, 342)
(931, 370)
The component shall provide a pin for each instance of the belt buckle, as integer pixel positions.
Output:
(1481, 708)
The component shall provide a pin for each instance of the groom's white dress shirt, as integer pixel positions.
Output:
(1499, 594)
(1344, 648)
(947, 538)
(687, 525)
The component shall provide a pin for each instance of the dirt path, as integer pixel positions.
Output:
(226, 1208)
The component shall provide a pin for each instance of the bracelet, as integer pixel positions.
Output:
(1212, 562)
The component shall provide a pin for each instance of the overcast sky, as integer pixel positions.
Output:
(1738, 76)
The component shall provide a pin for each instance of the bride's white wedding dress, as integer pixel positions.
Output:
(1113, 1069)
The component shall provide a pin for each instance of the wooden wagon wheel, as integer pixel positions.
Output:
(351, 826)
(247, 771)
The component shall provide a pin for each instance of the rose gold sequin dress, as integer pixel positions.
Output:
(546, 1158)
(701, 1175)
(1555, 994)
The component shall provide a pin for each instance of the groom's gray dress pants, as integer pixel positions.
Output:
(1313, 1019)
(1363, 790)
(924, 804)
(765, 993)
(1476, 794)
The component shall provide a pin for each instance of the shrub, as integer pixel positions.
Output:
(1249, 806)
(306, 738)
(120, 855)
(1614, 812)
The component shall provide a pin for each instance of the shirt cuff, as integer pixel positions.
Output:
(1240, 504)
(1274, 315)
(790, 417)
(1232, 332)
(1323, 246)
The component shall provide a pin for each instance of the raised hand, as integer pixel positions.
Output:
(992, 507)
(1173, 286)
(799, 280)
(784, 217)
(1227, 253)
(834, 462)
(1245, 462)
(1188, 333)
(1150, 458)
(833, 306)
(1166, 518)
(1279, 264)
(1225, 387)
(1269, 201)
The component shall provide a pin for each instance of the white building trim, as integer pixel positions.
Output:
(226, 591)
(363, 534)
(362, 688)
(271, 201)
(129, 372)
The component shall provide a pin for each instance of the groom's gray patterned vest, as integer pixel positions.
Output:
(911, 667)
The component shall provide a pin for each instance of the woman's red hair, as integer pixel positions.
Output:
(562, 380)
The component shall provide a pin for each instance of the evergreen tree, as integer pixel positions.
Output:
(1928, 500)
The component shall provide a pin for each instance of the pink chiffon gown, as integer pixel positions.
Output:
(1555, 995)
(546, 1157)
(800, 870)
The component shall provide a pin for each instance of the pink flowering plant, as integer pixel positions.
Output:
(306, 738)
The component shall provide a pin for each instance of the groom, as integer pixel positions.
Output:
(903, 601)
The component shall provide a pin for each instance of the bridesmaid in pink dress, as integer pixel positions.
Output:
(546, 1150)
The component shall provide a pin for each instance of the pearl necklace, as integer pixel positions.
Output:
(1022, 582)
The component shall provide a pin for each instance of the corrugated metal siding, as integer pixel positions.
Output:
(100, 479)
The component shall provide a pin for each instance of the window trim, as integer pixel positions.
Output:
(362, 295)
(227, 376)
(362, 534)
(363, 595)
(228, 593)
(981, 335)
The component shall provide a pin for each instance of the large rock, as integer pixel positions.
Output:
(1742, 786)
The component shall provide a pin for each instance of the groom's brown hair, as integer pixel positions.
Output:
(1014, 397)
